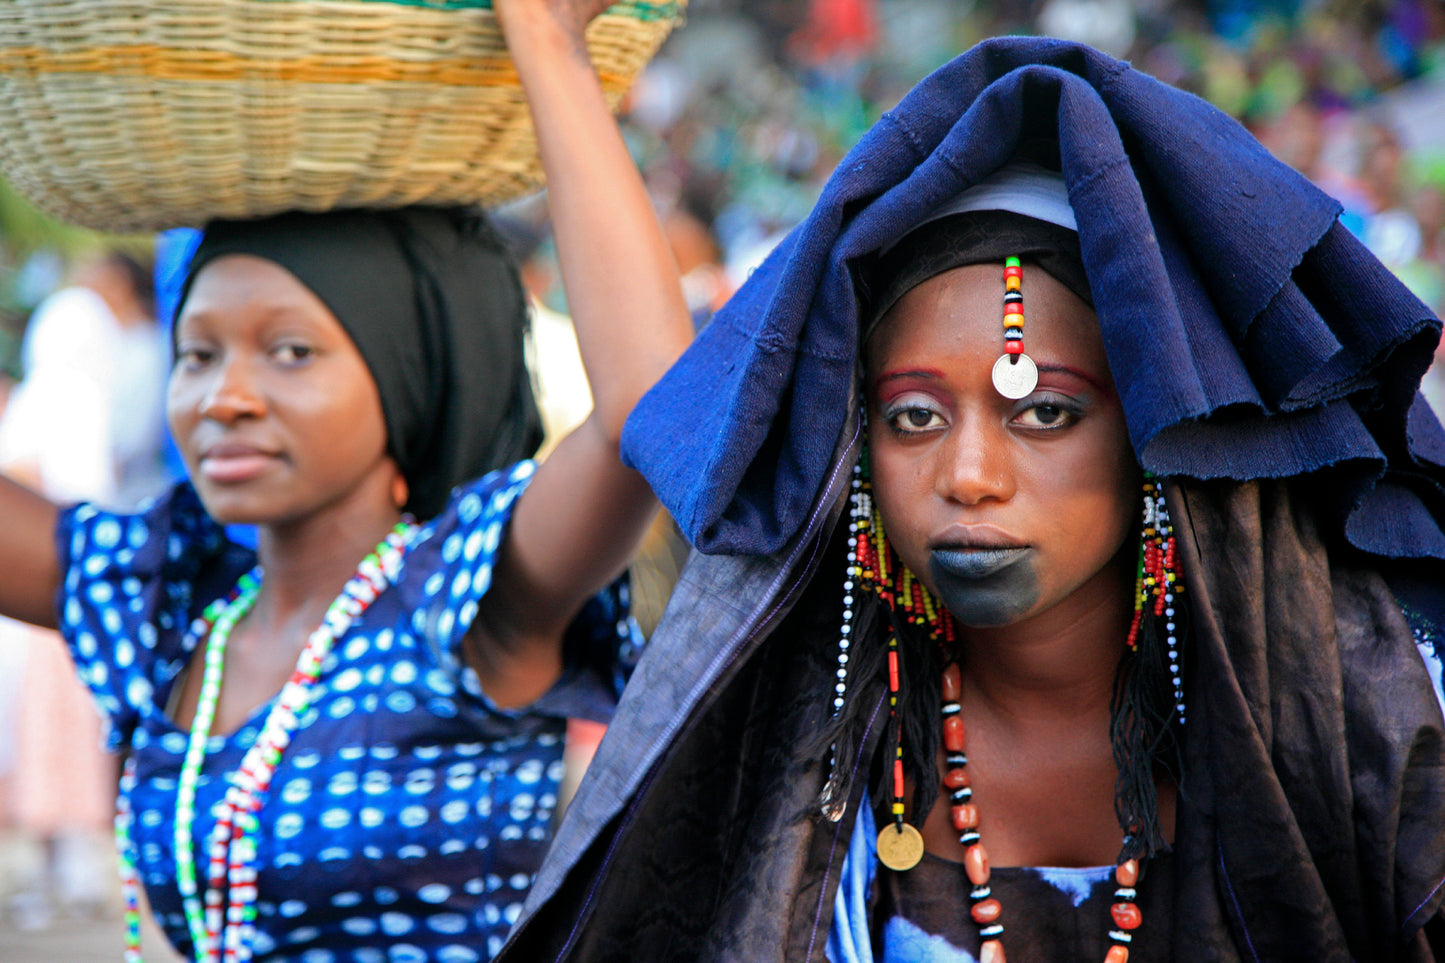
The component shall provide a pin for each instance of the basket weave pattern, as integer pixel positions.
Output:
(132, 115)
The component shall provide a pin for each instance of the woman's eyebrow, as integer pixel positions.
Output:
(932, 373)
(1084, 376)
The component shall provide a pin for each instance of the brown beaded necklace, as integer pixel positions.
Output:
(985, 908)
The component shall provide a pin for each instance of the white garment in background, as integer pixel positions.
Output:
(563, 394)
(89, 413)
(138, 432)
(58, 418)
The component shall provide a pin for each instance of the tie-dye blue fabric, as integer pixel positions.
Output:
(407, 818)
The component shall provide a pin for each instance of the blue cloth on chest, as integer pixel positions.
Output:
(409, 814)
(1250, 335)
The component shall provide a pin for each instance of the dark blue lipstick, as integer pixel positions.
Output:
(984, 586)
(976, 563)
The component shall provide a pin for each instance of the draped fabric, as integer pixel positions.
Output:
(1249, 333)
(1312, 805)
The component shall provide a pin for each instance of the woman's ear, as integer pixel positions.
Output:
(400, 491)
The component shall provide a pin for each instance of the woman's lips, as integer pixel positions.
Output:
(976, 563)
(231, 465)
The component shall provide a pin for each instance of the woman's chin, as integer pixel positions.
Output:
(233, 508)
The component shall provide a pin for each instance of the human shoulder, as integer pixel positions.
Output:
(170, 536)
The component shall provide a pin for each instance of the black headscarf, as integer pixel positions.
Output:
(958, 240)
(434, 303)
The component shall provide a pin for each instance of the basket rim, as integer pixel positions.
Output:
(303, 143)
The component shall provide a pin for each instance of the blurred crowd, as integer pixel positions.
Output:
(82, 421)
(736, 123)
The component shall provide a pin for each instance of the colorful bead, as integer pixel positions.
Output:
(953, 734)
(952, 683)
(1126, 916)
(964, 817)
(975, 864)
(986, 911)
(1013, 307)
(1117, 954)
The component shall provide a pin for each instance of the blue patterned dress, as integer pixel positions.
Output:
(409, 814)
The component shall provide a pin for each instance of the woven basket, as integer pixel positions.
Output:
(139, 115)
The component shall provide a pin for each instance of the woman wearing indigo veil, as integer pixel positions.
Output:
(1070, 538)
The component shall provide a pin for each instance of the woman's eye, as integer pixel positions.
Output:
(293, 353)
(914, 419)
(1046, 416)
(193, 357)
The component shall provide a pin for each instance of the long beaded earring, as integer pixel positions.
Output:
(874, 568)
(1157, 583)
(831, 802)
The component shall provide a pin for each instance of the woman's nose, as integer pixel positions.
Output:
(974, 464)
(231, 394)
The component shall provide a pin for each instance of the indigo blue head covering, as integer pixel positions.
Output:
(433, 302)
(1249, 334)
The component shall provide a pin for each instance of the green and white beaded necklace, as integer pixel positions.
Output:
(223, 932)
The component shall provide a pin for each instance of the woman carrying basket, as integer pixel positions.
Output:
(346, 745)
(1064, 487)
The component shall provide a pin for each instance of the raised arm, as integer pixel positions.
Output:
(27, 543)
(584, 513)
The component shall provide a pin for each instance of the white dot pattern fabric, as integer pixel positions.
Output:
(409, 814)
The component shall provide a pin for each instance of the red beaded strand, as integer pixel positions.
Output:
(873, 567)
(1013, 308)
(1156, 580)
(1015, 375)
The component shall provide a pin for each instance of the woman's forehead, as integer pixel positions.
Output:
(967, 304)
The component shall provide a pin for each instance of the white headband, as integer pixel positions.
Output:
(1019, 187)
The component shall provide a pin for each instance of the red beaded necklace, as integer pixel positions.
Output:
(963, 813)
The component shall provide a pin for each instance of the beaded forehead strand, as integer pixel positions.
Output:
(1014, 374)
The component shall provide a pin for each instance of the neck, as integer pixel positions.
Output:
(1059, 665)
(306, 565)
